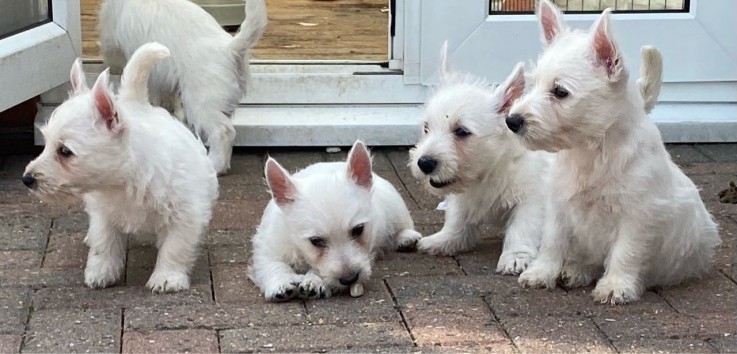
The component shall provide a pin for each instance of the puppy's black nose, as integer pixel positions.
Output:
(427, 164)
(349, 279)
(515, 122)
(28, 180)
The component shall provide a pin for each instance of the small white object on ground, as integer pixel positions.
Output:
(356, 290)
(443, 205)
(332, 149)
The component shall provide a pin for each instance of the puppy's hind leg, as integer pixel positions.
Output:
(219, 134)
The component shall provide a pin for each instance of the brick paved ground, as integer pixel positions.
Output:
(415, 303)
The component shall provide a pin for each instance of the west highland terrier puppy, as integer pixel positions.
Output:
(206, 76)
(324, 227)
(137, 169)
(620, 209)
(467, 154)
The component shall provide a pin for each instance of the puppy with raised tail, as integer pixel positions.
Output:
(136, 168)
(467, 154)
(620, 210)
(324, 227)
(206, 76)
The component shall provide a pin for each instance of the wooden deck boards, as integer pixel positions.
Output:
(345, 30)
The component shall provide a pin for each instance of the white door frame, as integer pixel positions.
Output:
(38, 59)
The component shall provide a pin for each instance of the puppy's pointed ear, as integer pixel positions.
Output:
(77, 78)
(551, 21)
(511, 89)
(281, 185)
(604, 49)
(104, 104)
(444, 65)
(359, 165)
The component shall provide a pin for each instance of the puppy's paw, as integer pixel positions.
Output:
(513, 263)
(283, 291)
(407, 240)
(167, 281)
(575, 275)
(102, 271)
(312, 287)
(539, 275)
(439, 244)
(615, 290)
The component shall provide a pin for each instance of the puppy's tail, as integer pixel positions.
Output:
(134, 82)
(651, 76)
(252, 28)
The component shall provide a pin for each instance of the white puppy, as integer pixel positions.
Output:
(324, 226)
(467, 153)
(137, 169)
(206, 76)
(620, 209)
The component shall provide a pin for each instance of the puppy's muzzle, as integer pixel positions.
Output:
(349, 279)
(427, 164)
(515, 122)
(28, 180)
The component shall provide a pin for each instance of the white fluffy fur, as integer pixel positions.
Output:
(326, 200)
(137, 169)
(620, 209)
(206, 76)
(494, 178)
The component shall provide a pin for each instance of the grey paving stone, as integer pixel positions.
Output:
(73, 222)
(433, 290)
(231, 285)
(711, 168)
(42, 277)
(84, 298)
(66, 251)
(294, 161)
(315, 338)
(228, 237)
(236, 214)
(724, 344)
(230, 254)
(713, 294)
(556, 335)
(249, 189)
(456, 324)
(141, 262)
(650, 303)
(73, 331)
(686, 154)
(413, 264)
(710, 186)
(14, 165)
(179, 341)
(12, 191)
(14, 303)
(10, 343)
(246, 163)
(718, 152)
(725, 257)
(392, 178)
(663, 346)
(20, 259)
(214, 316)
(482, 259)
(666, 326)
(375, 305)
(23, 228)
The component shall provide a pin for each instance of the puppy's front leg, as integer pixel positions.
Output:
(621, 282)
(459, 233)
(545, 269)
(106, 258)
(522, 238)
(278, 280)
(177, 253)
(313, 287)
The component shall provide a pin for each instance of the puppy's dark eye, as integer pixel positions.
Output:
(461, 132)
(559, 92)
(318, 241)
(64, 151)
(426, 129)
(357, 231)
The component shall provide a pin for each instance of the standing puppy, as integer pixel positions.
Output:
(324, 226)
(467, 153)
(206, 76)
(620, 209)
(136, 168)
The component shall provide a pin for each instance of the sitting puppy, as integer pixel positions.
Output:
(467, 154)
(620, 208)
(324, 226)
(136, 168)
(206, 76)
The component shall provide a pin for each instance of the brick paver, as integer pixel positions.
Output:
(412, 302)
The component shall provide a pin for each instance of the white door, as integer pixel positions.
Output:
(39, 40)
(698, 39)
